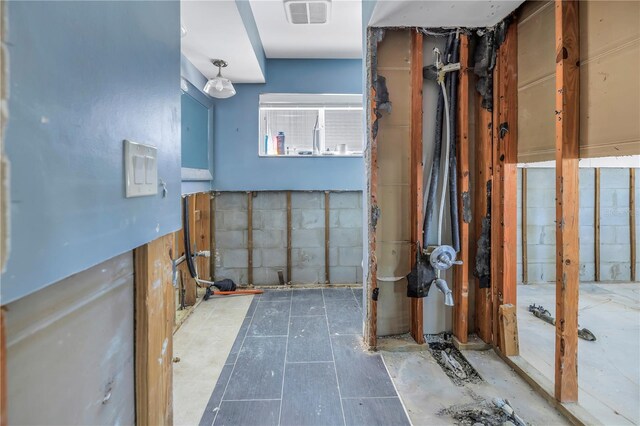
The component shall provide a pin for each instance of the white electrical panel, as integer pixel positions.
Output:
(141, 169)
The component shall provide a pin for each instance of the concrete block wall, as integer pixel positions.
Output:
(614, 224)
(307, 237)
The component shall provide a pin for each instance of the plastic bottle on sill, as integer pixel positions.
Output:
(280, 143)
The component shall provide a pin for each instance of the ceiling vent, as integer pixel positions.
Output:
(307, 11)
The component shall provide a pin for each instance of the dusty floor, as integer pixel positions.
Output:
(202, 343)
(431, 398)
(609, 368)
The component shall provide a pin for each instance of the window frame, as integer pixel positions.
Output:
(281, 98)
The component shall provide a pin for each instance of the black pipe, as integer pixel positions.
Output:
(187, 240)
(453, 162)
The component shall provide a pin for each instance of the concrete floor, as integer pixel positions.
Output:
(609, 368)
(202, 343)
(427, 392)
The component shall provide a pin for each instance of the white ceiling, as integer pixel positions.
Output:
(215, 30)
(340, 37)
(438, 13)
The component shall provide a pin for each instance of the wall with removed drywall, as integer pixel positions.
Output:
(269, 224)
(237, 166)
(609, 83)
(615, 236)
(70, 349)
(84, 77)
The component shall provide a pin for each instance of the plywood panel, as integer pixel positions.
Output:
(154, 313)
(609, 85)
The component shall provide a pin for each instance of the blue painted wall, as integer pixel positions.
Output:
(237, 166)
(83, 77)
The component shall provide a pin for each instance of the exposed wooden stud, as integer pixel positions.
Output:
(212, 236)
(461, 272)
(483, 173)
(203, 232)
(416, 305)
(4, 421)
(289, 237)
(496, 196)
(508, 330)
(523, 229)
(371, 326)
(505, 172)
(596, 228)
(567, 195)
(327, 242)
(632, 222)
(250, 238)
(154, 319)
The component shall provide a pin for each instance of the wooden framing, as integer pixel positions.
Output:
(154, 319)
(327, 242)
(461, 272)
(203, 232)
(632, 223)
(509, 330)
(484, 176)
(250, 238)
(371, 326)
(596, 227)
(504, 200)
(416, 314)
(523, 228)
(289, 237)
(567, 193)
(4, 421)
(212, 236)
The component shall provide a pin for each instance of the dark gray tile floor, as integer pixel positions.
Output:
(298, 360)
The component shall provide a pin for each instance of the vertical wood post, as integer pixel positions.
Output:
(461, 272)
(484, 176)
(327, 241)
(632, 222)
(250, 237)
(212, 235)
(523, 229)
(289, 237)
(154, 320)
(596, 228)
(505, 181)
(567, 196)
(416, 313)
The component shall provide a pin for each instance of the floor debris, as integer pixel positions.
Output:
(451, 360)
(540, 312)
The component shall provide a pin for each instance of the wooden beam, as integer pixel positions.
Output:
(327, 242)
(154, 319)
(509, 330)
(203, 232)
(416, 313)
(483, 174)
(596, 228)
(461, 272)
(4, 421)
(496, 196)
(567, 198)
(212, 236)
(632, 222)
(250, 237)
(371, 325)
(523, 229)
(289, 237)
(504, 217)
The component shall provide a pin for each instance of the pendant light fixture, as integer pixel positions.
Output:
(219, 87)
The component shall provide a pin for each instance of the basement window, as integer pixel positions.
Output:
(310, 125)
